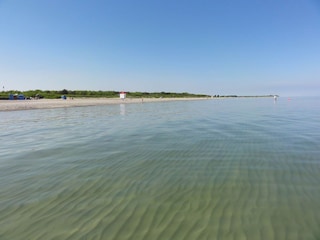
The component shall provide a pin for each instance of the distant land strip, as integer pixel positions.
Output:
(56, 94)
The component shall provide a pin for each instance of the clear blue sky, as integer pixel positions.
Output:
(215, 47)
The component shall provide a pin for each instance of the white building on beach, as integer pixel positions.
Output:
(123, 95)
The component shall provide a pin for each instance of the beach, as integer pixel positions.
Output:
(14, 105)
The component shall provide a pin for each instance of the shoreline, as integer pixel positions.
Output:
(18, 105)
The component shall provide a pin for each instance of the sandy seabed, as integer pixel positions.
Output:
(11, 105)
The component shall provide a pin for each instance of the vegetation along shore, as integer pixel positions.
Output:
(56, 94)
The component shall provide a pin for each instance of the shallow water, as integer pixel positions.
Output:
(212, 169)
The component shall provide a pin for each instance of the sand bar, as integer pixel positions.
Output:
(14, 105)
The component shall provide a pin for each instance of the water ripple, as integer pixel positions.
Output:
(229, 169)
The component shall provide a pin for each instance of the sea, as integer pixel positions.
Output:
(238, 169)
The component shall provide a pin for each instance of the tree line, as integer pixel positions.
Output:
(54, 94)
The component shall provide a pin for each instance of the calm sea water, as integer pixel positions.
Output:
(212, 169)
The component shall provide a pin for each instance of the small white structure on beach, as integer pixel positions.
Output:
(123, 95)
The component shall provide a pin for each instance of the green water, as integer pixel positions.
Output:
(213, 169)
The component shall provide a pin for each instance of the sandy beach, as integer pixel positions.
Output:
(14, 105)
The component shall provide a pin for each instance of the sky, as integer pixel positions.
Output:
(248, 47)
